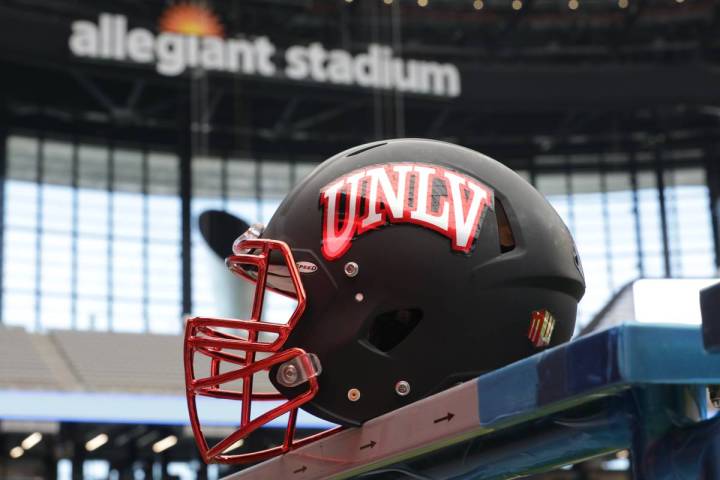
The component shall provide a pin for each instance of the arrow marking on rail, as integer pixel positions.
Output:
(446, 418)
(369, 445)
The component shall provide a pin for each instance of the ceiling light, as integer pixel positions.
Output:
(422, 3)
(388, 2)
(17, 452)
(573, 4)
(623, 3)
(478, 4)
(96, 442)
(517, 4)
(31, 440)
(165, 443)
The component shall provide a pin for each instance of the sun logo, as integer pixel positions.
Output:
(188, 19)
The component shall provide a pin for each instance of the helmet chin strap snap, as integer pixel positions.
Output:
(298, 370)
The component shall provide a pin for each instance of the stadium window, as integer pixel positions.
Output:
(589, 232)
(245, 188)
(249, 189)
(96, 469)
(689, 224)
(81, 222)
(93, 203)
(617, 245)
(650, 224)
(623, 241)
(55, 311)
(127, 241)
(20, 252)
(275, 183)
(92, 231)
(55, 234)
(207, 194)
(554, 187)
(162, 275)
(241, 198)
(302, 170)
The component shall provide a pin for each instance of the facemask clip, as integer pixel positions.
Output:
(252, 233)
(298, 370)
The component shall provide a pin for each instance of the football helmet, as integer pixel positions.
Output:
(414, 264)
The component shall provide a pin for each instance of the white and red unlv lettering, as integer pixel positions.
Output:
(402, 193)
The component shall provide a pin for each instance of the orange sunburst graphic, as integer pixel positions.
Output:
(189, 19)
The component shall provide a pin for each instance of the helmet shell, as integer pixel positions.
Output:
(419, 310)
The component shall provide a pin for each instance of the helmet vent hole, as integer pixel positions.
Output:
(390, 328)
(505, 233)
(365, 149)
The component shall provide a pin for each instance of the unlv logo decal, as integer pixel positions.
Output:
(431, 196)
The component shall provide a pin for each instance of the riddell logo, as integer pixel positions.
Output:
(448, 202)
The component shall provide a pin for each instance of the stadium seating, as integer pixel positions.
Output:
(94, 361)
(22, 364)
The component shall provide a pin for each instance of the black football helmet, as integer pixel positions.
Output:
(415, 264)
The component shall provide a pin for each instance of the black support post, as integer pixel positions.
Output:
(74, 232)
(712, 171)
(39, 175)
(78, 460)
(111, 149)
(50, 460)
(185, 157)
(3, 172)
(145, 240)
(636, 211)
(568, 170)
(660, 180)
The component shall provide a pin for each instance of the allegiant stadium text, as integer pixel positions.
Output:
(173, 53)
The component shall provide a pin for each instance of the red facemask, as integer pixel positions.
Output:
(233, 345)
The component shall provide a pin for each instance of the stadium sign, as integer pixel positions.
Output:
(198, 43)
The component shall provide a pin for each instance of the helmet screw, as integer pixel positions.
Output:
(351, 269)
(288, 375)
(402, 388)
(359, 297)
(353, 394)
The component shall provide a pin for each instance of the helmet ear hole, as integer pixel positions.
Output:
(388, 329)
(505, 233)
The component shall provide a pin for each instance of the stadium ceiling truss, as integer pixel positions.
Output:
(621, 79)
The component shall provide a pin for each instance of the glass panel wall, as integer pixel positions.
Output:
(615, 216)
(250, 190)
(92, 231)
(689, 232)
(91, 237)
